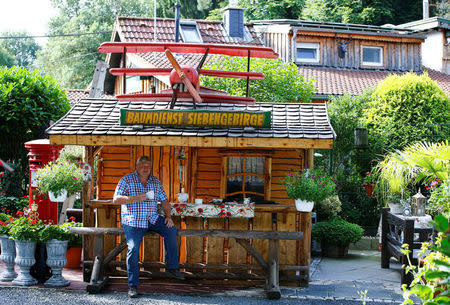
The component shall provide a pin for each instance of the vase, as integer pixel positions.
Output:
(8, 255)
(183, 197)
(369, 188)
(303, 205)
(73, 256)
(61, 198)
(56, 259)
(25, 259)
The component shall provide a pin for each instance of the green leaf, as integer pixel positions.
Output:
(436, 274)
(422, 291)
(440, 223)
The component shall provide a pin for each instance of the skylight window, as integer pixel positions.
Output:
(189, 32)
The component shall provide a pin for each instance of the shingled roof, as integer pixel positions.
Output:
(100, 117)
(329, 81)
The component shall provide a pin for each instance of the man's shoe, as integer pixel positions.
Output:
(176, 274)
(132, 292)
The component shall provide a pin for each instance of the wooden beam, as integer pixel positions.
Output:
(222, 142)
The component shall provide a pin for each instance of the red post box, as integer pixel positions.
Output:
(41, 153)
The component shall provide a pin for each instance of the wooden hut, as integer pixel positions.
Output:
(210, 162)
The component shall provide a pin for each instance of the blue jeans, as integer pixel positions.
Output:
(134, 239)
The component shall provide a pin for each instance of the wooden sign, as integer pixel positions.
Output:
(201, 118)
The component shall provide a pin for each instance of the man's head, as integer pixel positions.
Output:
(144, 166)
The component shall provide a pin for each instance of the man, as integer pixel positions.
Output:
(138, 194)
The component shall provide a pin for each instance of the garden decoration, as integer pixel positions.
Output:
(335, 236)
(56, 239)
(309, 187)
(57, 179)
(418, 204)
(8, 249)
(25, 230)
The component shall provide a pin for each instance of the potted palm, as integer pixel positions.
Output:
(8, 249)
(56, 239)
(59, 179)
(308, 187)
(335, 235)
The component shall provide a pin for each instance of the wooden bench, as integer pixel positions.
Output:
(102, 262)
(397, 230)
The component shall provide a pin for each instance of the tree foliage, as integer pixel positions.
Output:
(6, 58)
(406, 109)
(23, 49)
(282, 83)
(190, 9)
(71, 60)
(28, 100)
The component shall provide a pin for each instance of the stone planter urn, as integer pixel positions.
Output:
(56, 259)
(331, 250)
(8, 255)
(25, 259)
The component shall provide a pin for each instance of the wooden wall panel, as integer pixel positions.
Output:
(208, 174)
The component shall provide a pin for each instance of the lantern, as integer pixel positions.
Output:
(418, 204)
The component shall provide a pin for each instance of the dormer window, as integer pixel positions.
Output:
(308, 52)
(189, 32)
(372, 56)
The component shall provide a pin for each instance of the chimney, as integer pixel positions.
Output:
(426, 9)
(233, 20)
(177, 21)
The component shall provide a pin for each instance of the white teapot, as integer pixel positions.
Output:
(183, 197)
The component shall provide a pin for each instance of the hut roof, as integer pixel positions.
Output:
(97, 122)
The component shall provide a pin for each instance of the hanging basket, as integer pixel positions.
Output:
(303, 205)
(61, 198)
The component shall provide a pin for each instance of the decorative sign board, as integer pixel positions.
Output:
(201, 118)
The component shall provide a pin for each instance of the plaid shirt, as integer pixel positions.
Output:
(138, 214)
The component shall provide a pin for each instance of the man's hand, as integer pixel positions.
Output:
(169, 222)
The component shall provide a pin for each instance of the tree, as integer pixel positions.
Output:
(190, 9)
(71, 60)
(405, 109)
(6, 58)
(282, 83)
(24, 48)
(28, 101)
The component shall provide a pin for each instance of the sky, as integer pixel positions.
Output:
(29, 15)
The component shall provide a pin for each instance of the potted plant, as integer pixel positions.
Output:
(25, 232)
(56, 239)
(308, 187)
(74, 247)
(335, 235)
(57, 179)
(8, 249)
(369, 182)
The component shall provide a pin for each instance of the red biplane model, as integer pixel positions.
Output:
(187, 77)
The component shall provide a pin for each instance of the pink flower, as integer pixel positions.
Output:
(75, 178)
(433, 183)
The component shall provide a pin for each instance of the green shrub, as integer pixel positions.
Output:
(25, 229)
(311, 185)
(336, 231)
(12, 183)
(282, 82)
(50, 232)
(11, 204)
(75, 240)
(58, 176)
(405, 109)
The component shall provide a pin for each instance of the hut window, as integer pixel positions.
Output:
(372, 56)
(308, 52)
(245, 178)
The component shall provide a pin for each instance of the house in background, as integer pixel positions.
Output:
(436, 47)
(346, 58)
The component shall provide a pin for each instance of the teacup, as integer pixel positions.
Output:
(150, 195)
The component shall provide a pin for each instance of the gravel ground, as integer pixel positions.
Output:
(39, 296)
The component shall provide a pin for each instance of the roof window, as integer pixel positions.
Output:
(372, 56)
(189, 32)
(308, 52)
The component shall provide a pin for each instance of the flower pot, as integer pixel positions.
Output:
(8, 255)
(303, 205)
(331, 250)
(73, 256)
(61, 198)
(56, 259)
(369, 189)
(25, 259)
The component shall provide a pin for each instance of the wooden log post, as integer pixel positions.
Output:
(384, 231)
(273, 291)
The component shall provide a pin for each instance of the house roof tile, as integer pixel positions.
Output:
(329, 81)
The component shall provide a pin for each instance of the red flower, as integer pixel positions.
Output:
(229, 214)
(200, 210)
(19, 213)
(2, 223)
(221, 206)
(33, 222)
(2, 191)
(71, 218)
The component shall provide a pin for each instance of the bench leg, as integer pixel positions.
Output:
(96, 285)
(273, 291)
